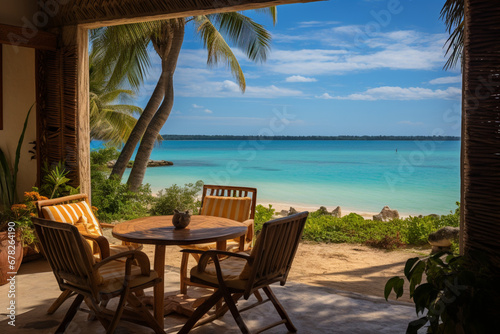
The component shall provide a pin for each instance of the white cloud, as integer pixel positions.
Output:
(411, 123)
(228, 88)
(325, 96)
(208, 111)
(197, 106)
(446, 80)
(399, 93)
(352, 50)
(311, 24)
(299, 78)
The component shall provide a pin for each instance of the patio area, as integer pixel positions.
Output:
(312, 309)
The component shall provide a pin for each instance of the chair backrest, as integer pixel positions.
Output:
(275, 250)
(230, 191)
(69, 209)
(68, 254)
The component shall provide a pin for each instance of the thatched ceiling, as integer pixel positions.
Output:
(95, 13)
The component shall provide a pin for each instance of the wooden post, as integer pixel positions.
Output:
(83, 111)
(481, 138)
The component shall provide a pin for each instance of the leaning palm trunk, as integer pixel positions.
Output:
(139, 128)
(168, 49)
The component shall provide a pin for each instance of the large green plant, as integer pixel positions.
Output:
(8, 177)
(459, 295)
(176, 197)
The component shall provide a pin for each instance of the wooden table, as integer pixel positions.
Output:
(159, 231)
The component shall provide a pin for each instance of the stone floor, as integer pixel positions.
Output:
(312, 309)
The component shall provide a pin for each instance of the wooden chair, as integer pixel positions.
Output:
(222, 201)
(70, 209)
(240, 274)
(77, 270)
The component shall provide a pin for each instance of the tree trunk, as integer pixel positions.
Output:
(147, 143)
(139, 128)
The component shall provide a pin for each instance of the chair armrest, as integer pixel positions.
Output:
(102, 244)
(214, 255)
(141, 258)
(106, 225)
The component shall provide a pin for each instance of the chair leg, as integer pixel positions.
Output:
(70, 314)
(183, 272)
(58, 302)
(200, 311)
(118, 313)
(289, 325)
(234, 311)
(148, 317)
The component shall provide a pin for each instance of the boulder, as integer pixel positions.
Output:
(386, 214)
(441, 239)
(337, 212)
(284, 213)
(323, 211)
(292, 211)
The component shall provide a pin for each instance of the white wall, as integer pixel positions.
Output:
(18, 96)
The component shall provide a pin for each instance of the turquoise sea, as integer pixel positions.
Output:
(414, 177)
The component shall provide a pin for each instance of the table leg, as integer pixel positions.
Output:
(222, 245)
(159, 289)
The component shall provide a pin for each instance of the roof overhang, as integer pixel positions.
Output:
(93, 13)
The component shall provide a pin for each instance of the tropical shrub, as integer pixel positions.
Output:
(115, 202)
(459, 294)
(100, 157)
(262, 215)
(55, 183)
(176, 197)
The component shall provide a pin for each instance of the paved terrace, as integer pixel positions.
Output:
(312, 309)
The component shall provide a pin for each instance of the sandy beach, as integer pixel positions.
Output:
(345, 211)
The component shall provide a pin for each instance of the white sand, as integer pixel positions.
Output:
(344, 211)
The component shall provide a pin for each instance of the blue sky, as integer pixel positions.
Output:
(342, 67)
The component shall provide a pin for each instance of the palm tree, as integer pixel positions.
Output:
(167, 37)
(453, 15)
(109, 121)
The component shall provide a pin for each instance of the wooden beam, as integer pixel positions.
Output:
(94, 14)
(20, 36)
(83, 114)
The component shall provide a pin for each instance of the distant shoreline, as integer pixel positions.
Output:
(242, 137)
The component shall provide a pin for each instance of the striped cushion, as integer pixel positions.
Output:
(110, 276)
(235, 208)
(70, 213)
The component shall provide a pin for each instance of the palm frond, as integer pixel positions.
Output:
(271, 11)
(453, 15)
(246, 34)
(218, 49)
(120, 52)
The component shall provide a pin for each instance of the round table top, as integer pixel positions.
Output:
(158, 230)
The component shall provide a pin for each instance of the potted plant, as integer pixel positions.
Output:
(11, 233)
(459, 294)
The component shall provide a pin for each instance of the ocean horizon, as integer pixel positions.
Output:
(414, 177)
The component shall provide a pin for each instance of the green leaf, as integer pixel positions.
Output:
(396, 283)
(416, 276)
(422, 295)
(409, 265)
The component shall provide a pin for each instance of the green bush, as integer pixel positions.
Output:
(352, 228)
(262, 215)
(115, 202)
(176, 197)
(100, 157)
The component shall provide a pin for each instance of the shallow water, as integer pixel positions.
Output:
(419, 178)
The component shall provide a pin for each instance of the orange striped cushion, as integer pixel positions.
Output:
(70, 213)
(235, 208)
